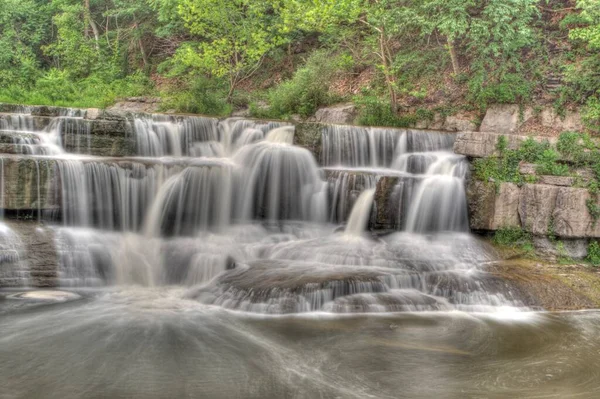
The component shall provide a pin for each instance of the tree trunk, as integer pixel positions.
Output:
(453, 57)
(389, 78)
(89, 22)
(143, 51)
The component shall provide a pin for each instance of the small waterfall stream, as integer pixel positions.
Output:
(244, 219)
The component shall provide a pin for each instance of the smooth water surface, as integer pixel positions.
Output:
(154, 343)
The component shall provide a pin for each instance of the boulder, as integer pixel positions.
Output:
(459, 123)
(341, 114)
(504, 118)
(482, 144)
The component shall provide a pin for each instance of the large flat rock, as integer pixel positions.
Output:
(483, 144)
(491, 209)
(540, 209)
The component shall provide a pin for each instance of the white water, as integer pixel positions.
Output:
(357, 222)
(246, 220)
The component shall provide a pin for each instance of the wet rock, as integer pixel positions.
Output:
(308, 135)
(28, 184)
(345, 186)
(391, 202)
(553, 249)
(37, 258)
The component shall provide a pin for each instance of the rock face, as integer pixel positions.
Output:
(512, 119)
(571, 215)
(342, 114)
(502, 118)
(536, 206)
(28, 185)
(540, 209)
(137, 104)
(491, 210)
(308, 135)
(482, 145)
(28, 255)
(459, 123)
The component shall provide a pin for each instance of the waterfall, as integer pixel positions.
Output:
(279, 181)
(244, 219)
(360, 213)
(430, 191)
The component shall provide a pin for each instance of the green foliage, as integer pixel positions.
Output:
(208, 49)
(514, 237)
(237, 34)
(373, 111)
(24, 25)
(590, 19)
(307, 90)
(547, 164)
(57, 88)
(591, 114)
(593, 253)
(508, 88)
(563, 255)
(593, 209)
(199, 96)
(505, 168)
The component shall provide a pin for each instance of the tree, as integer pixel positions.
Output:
(590, 18)
(24, 26)
(489, 29)
(234, 37)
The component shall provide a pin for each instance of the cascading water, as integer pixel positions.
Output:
(163, 251)
(247, 220)
(357, 222)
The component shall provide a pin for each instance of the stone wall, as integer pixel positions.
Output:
(549, 207)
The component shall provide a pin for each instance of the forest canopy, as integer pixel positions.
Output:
(288, 57)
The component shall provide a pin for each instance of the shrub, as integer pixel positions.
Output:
(593, 253)
(376, 112)
(57, 87)
(514, 237)
(548, 165)
(308, 89)
(200, 96)
(591, 114)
